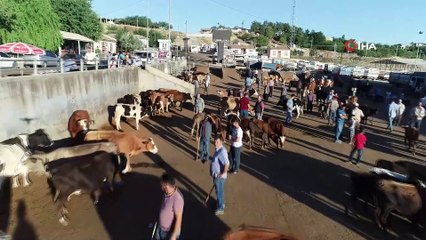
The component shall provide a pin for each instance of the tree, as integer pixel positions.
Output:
(127, 41)
(262, 41)
(33, 22)
(77, 16)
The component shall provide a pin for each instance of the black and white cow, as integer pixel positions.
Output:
(130, 99)
(81, 174)
(15, 151)
(297, 104)
(128, 111)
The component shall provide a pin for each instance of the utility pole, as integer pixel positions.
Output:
(293, 28)
(147, 25)
(335, 47)
(137, 21)
(310, 51)
(170, 6)
(397, 48)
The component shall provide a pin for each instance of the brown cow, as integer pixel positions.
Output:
(79, 121)
(255, 128)
(276, 131)
(412, 136)
(178, 97)
(256, 233)
(128, 143)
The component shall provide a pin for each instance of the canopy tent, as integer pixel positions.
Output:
(71, 38)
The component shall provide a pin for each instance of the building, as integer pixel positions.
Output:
(143, 40)
(106, 44)
(240, 30)
(164, 47)
(238, 49)
(74, 43)
(278, 53)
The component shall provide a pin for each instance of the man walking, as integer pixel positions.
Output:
(259, 107)
(271, 84)
(310, 101)
(340, 122)
(418, 113)
(400, 112)
(218, 170)
(290, 108)
(196, 87)
(244, 105)
(334, 105)
(171, 210)
(199, 104)
(236, 140)
(205, 135)
(358, 146)
(357, 114)
(392, 112)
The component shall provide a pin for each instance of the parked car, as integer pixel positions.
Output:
(48, 60)
(7, 62)
(372, 73)
(72, 62)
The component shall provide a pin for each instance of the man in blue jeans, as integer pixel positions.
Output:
(236, 140)
(218, 170)
(205, 134)
(290, 108)
(340, 122)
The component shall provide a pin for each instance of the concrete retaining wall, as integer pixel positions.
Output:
(170, 67)
(47, 101)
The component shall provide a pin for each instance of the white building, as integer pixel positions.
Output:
(164, 46)
(278, 53)
(143, 40)
(248, 50)
(106, 44)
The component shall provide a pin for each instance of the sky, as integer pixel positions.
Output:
(378, 21)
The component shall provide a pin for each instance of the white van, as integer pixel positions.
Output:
(346, 71)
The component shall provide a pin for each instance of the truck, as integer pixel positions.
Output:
(358, 72)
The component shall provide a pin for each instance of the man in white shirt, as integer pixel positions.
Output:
(236, 139)
(418, 113)
(357, 114)
(399, 112)
(90, 57)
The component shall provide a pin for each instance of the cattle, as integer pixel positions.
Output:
(256, 233)
(276, 131)
(78, 175)
(15, 151)
(197, 119)
(128, 143)
(414, 172)
(128, 111)
(130, 99)
(217, 127)
(229, 104)
(79, 121)
(178, 97)
(369, 112)
(411, 135)
(163, 101)
(255, 128)
(297, 104)
(388, 195)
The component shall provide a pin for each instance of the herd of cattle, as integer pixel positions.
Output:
(86, 162)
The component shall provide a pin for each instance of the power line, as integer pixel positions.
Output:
(237, 10)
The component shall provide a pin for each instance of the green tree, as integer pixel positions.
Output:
(33, 22)
(127, 41)
(262, 41)
(77, 16)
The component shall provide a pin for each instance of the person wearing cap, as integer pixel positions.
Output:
(392, 112)
(357, 114)
(418, 113)
(400, 112)
(171, 211)
(218, 170)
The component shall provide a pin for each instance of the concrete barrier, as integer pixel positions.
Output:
(47, 101)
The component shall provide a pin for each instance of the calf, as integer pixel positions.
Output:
(276, 131)
(80, 174)
(127, 143)
(369, 112)
(229, 104)
(79, 121)
(412, 136)
(128, 111)
(15, 151)
(388, 195)
(178, 97)
(255, 128)
(297, 104)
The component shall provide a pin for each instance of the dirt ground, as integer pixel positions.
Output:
(300, 190)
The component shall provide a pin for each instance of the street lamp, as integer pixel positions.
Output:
(418, 46)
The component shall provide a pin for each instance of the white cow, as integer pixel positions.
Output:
(128, 111)
(15, 151)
